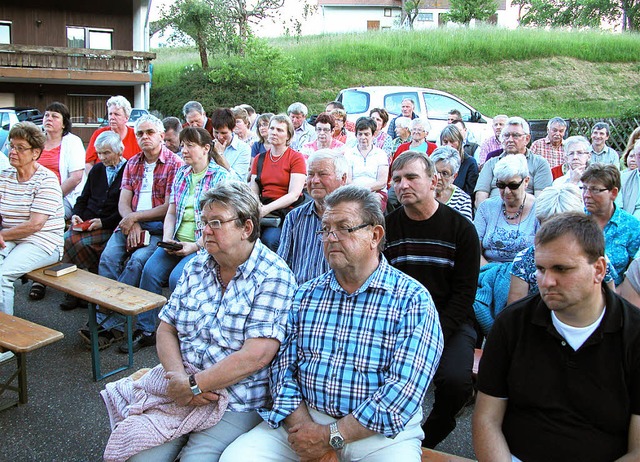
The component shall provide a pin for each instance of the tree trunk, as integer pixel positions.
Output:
(204, 59)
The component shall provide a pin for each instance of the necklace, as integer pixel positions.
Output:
(515, 215)
(275, 159)
(219, 276)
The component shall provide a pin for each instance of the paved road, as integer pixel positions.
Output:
(65, 419)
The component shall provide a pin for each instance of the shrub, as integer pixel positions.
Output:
(192, 83)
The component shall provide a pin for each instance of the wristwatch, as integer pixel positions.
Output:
(195, 389)
(336, 441)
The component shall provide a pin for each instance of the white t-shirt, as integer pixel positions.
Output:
(145, 201)
(575, 336)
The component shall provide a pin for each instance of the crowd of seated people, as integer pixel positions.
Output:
(289, 167)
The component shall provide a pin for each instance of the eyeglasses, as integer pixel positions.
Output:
(577, 153)
(19, 149)
(149, 132)
(515, 136)
(511, 186)
(214, 224)
(593, 191)
(323, 130)
(340, 233)
(444, 174)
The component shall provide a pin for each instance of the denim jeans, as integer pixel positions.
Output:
(114, 265)
(161, 268)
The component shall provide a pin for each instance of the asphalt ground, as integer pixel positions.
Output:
(65, 418)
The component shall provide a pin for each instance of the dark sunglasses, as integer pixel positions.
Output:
(511, 186)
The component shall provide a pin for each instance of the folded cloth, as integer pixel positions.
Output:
(493, 290)
(142, 416)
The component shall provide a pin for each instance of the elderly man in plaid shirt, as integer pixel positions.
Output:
(144, 200)
(363, 342)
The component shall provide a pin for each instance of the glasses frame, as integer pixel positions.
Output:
(339, 233)
(20, 149)
(214, 224)
(515, 136)
(593, 191)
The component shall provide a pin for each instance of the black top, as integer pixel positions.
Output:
(442, 253)
(99, 200)
(564, 405)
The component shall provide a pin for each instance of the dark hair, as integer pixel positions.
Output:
(582, 227)
(457, 113)
(29, 132)
(223, 117)
(336, 105)
(326, 118)
(199, 136)
(366, 122)
(409, 156)
(63, 110)
(384, 115)
(607, 174)
(601, 126)
(172, 123)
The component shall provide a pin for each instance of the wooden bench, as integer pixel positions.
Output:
(120, 299)
(21, 336)
(431, 455)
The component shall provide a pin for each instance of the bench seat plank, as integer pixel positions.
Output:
(107, 293)
(22, 336)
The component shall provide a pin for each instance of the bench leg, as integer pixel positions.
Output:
(21, 374)
(95, 352)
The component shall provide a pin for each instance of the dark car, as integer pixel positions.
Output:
(26, 114)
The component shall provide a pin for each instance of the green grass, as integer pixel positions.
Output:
(528, 72)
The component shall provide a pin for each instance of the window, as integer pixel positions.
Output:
(393, 102)
(387, 12)
(88, 109)
(425, 17)
(355, 102)
(438, 107)
(87, 37)
(5, 32)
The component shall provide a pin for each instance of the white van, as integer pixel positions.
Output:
(432, 104)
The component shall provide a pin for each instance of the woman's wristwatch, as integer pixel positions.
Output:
(195, 389)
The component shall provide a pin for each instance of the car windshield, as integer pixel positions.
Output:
(355, 102)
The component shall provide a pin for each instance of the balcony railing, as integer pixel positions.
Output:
(80, 59)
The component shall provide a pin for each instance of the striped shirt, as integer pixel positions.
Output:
(212, 325)
(299, 245)
(39, 194)
(163, 175)
(181, 187)
(371, 353)
(460, 201)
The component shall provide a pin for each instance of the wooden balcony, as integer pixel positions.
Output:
(78, 65)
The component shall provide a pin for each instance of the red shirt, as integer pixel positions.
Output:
(275, 175)
(130, 142)
(51, 160)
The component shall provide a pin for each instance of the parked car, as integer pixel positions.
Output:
(432, 104)
(8, 119)
(136, 113)
(26, 114)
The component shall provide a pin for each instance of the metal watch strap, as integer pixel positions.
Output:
(336, 440)
(195, 389)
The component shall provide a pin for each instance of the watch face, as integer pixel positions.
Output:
(336, 442)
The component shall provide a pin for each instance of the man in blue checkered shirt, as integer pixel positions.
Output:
(363, 343)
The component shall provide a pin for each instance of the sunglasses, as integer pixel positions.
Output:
(511, 186)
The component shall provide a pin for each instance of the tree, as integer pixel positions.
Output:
(463, 11)
(202, 21)
(242, 15)
(411, 8)
(579, 13)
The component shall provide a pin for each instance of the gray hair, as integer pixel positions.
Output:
(239, 198)
(449, 156)
(501, 116)
(521, 122)
(403, 122)
(340, 164)
(149, 118)
(511, 165)
(172, 123)
(109, 140)
(421, 123)
(410, 100)
(368, 204)
(573, 140)
(556, 121)
(558, 199)
(298, 108)
(121, 102)
(192, 106)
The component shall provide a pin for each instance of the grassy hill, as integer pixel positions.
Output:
(526, 72)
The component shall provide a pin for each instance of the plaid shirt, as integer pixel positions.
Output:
(553, 154)
(489, 145)
(371, 354)
(211, 325)
(180, 191)
(163, 176)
